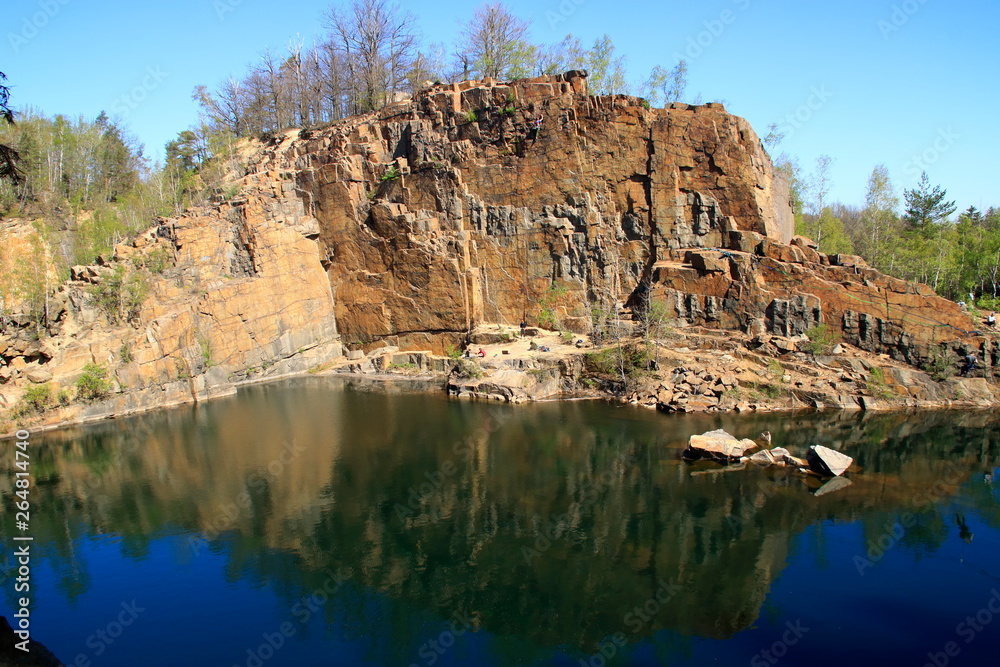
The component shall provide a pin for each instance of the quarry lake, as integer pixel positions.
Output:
(320, 521)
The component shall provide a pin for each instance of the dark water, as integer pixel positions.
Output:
(309, 523)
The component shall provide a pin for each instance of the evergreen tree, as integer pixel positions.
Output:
(926, 207)
(8, 156)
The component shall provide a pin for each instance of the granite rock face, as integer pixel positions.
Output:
(238, 293)
(493, 202)
(473, 203)
(759, 286)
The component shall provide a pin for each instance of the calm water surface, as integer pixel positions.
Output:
(319, 522)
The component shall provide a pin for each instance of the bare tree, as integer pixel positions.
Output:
(562, 57)
(376, 41)
(494, 43)
(820, 186)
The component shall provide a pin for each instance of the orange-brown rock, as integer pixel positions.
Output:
(786, 290)
(478, 202)
(498, 202)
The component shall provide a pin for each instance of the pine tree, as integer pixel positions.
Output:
(8, 156)
(926, 207)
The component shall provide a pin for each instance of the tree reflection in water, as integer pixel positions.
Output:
(549, 524)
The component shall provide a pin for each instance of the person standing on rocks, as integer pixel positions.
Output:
(970, 363)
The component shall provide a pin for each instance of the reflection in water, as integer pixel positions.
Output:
(551, 527)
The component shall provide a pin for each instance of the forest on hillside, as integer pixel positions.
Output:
(86, 184)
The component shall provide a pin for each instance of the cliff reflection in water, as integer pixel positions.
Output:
(548, 524)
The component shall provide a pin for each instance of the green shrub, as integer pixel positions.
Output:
(206, 352)
(821, 340)
(453, 352)
(547, 318)
(391, 174)
(940, 366)
(405, 366)
(877, 385)
(471, 116)
(120, 295)
(467, 368)
(157, 261)
(94, 384)
(36, 399)
(125, 353)
(628, 360)
(568, 337)
(766, 390)
(645, 104)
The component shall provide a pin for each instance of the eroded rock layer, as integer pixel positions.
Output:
(495, 202)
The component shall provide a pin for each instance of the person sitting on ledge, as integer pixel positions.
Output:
(481, 353)
(992, 319)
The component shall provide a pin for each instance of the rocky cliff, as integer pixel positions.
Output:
(479, 202)
(491, 202)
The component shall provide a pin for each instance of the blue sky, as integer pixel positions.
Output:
(909, 83)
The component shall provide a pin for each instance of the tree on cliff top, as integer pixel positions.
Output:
(8, 156)
(670, 85)
(377, 41)
(494, 43)
(879, 223)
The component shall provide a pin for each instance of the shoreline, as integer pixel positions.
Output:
(381, 379)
